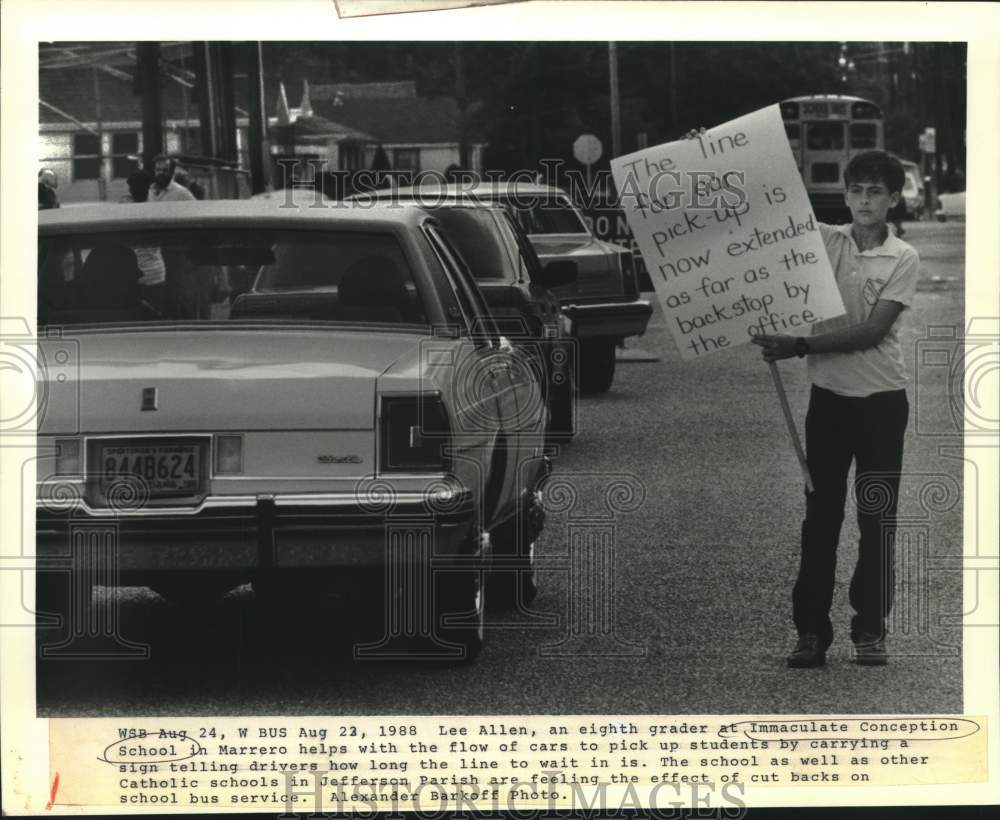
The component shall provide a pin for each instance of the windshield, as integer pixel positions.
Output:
(825, 136)
(864, 135)
(129, 277)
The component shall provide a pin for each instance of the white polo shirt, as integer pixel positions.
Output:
(887, 272)
(174, 192)
(150, 260)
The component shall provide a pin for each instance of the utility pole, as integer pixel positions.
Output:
(463, 137)
(257, 132)
(185, 135)
(534, 51)
(226, 146)
(148, 69)
(671, 48)
(880, 72)
(616, 123)
(940, 113)
(102, 182)
(207, 98)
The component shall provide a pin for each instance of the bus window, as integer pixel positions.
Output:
(825, 136)
(825, 172)
(864, 135)
(792, 130)
(790, 110)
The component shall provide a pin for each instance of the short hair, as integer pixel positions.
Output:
(138, 185)
(876, 166)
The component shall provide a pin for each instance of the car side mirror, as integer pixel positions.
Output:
(559, 272)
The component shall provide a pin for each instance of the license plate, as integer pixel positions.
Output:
(167, 469)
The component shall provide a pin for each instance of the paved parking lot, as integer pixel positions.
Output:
(691, 467)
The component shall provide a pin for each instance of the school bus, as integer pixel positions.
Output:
(825, 131)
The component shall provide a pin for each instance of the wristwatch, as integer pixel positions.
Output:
(801, 347)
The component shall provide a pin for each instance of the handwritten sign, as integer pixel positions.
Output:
(363, 8)
(728, 235)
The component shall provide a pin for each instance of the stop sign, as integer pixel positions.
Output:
(587, 149)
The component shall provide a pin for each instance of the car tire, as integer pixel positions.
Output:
(460, 612)
(561, 410)
(597, 364)
(512, 581)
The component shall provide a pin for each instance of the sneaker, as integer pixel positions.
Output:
(809, 652)
(869, 650)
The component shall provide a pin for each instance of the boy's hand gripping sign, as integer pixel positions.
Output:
(728, 235)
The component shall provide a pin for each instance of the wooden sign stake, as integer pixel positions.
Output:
(796, 443)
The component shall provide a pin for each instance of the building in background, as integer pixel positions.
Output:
(382, 126)
(91, 125)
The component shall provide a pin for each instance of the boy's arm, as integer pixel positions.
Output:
(861, 336)
(895, 297)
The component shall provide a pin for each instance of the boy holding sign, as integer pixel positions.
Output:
(857, 412)
(739, 263)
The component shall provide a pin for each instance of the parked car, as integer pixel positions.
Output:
(951, 207)
(603, 304)
(518, 291)
(299, 196)
(358, 390)
(913, 191)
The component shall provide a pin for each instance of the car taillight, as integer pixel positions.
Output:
(228, 454)
(414, 432)
(68, 456)
(629, 283)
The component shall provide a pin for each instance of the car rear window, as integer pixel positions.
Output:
(128, 277)
(475, 235)
(545, 214)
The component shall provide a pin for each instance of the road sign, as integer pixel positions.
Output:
(587, 149)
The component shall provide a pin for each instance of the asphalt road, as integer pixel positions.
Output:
(702, 524)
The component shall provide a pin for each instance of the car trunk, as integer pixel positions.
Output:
(216, 378)
(597, 273)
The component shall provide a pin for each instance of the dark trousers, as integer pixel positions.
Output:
(839, 430)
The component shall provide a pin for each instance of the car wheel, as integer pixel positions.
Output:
(460, 612)
(597, 364)
(512, 580)
(561, 403)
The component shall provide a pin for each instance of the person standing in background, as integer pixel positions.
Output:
(47, 184)
(165, 188)
(182, 296)
(138, 183)
(153, 283)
